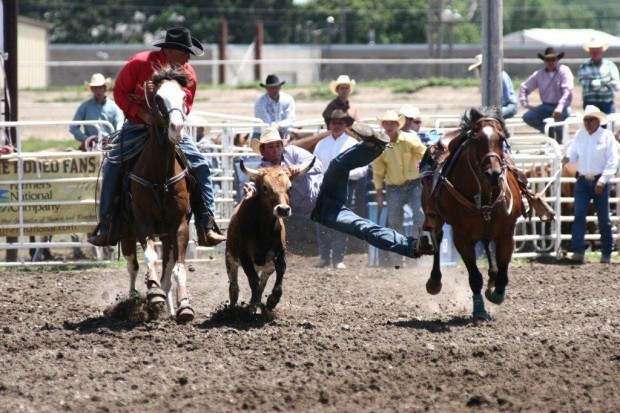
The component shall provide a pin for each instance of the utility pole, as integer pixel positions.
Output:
(258, 50)
(492, 52)
(223, 47)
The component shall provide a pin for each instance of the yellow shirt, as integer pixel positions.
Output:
(400, 163)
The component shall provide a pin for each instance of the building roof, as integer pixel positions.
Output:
(559, 37)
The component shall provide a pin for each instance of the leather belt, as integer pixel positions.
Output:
(588, 177)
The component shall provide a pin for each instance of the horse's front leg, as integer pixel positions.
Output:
(280, 263)
(489, 249)
(496, 292)
(467, 248)
(128, 247)
(155, 294)
(167, 266)
(433, 285)
(185, 312)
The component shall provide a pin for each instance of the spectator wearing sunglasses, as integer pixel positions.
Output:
(509, 97)
(413, 122)
(554, 82)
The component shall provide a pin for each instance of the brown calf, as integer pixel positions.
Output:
(256, 236)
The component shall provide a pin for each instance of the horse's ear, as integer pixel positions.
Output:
(474, 115)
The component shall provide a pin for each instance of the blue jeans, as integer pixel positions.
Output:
(584, 192)
(509, 110)
(397, 196)
(332, 244)
(113, 173)
(605, 107)
(331, 210)
(535, 117)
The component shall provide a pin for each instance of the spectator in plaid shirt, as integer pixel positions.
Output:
(598, 78)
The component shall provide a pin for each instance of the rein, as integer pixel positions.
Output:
(476, 205)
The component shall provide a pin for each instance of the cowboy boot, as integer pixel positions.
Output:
(209, 234)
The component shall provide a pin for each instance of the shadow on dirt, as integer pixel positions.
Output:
(125, 314)
(436, 326)
(239, 317)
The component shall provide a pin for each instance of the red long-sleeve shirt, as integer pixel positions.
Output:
(129, 84)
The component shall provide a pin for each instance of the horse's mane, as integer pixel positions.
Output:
(471, 116)
(167, 72)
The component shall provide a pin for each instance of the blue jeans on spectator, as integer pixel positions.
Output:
(332, 244)
(509, 110)
(113, 173)
(331, 210)
(605, 107)
(584, 192)
(535, 118)
(397, 196)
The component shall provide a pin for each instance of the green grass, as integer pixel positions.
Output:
(38, 144)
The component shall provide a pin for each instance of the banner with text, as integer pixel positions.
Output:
(47, 216)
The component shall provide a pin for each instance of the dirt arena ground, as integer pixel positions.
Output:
(356, 340)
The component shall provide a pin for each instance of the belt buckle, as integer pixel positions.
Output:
(590, 177)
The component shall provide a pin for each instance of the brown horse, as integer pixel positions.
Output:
(160, 198)
(478, 196)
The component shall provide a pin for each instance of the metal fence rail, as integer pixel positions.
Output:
(540, 156)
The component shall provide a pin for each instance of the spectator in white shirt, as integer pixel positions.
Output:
(333, 244)
(595, 152)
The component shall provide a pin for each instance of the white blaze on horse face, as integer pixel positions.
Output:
(174, 99)
(488, 131)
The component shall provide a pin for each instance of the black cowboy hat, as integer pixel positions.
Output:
(180, 38)
(340, 114)
(272, 80)
(550, 52)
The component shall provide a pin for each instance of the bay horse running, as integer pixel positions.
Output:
(479, 196)
(160, 198)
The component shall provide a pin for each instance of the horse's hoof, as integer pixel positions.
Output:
(493, 296)
(433, 287)
(155, 295)
(185, 314)
(272, 303)
(480, 313)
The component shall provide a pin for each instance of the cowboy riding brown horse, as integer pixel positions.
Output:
(476, 190)
(160, 198)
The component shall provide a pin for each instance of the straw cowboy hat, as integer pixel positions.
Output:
(550, 52)
(391, 115)
(181, 39)
(273, 80)
(592, 111)
(409, 111)
(97, 80)
(477, 62)
(595, 43)
(342, 80)
(268, 135)
(340, 114)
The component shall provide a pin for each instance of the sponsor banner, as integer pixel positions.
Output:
(46, 192)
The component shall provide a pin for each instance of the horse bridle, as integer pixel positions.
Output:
(486, 210)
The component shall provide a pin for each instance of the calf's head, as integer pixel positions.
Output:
(272, 186)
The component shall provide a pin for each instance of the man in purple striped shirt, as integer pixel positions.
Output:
(555, 84)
